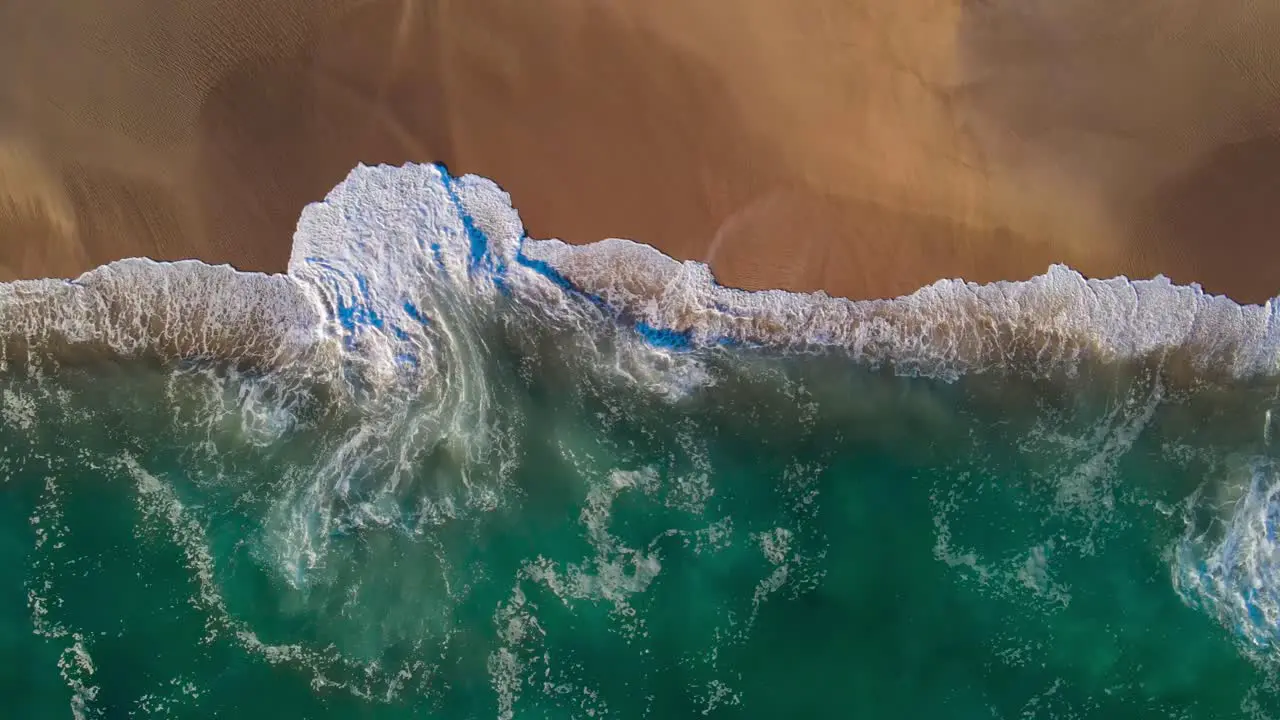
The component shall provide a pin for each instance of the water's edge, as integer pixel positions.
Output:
(440, 467)
(364, 258)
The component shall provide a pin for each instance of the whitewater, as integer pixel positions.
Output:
(440, 467)
(387, 240)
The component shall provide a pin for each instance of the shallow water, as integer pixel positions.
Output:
(451, 491)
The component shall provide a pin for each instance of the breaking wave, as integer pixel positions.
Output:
(426, 377)
(391, 251)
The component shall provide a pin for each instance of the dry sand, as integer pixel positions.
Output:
(865, 147)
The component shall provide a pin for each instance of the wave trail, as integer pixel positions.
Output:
(395, 263)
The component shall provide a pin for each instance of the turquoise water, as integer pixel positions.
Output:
(522, 507)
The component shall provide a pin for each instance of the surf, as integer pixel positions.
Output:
(390, 250)
(441, 466)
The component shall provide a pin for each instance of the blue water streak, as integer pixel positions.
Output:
(412, 311)
(481, 257)
(478, 242)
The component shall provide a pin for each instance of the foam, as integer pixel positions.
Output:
(140, 307)
(396, 265)
(1234, 573)
(951, 327)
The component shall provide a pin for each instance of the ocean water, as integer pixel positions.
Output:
(443, 470)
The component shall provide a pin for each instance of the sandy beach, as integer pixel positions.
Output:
(861, 147)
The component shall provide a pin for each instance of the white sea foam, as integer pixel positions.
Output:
(171, 310)
(395, 263)
(392, 280)
(1232, 570)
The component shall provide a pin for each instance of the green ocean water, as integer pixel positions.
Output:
(442, 470)
(796, 537)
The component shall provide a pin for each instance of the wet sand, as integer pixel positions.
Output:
(857, 146)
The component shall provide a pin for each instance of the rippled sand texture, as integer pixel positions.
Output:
(858, 146)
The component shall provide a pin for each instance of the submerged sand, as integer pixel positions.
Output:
(857, 146)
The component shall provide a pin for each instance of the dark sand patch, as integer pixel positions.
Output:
(1218, 223)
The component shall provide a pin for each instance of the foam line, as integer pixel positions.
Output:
(170, 310)
(392, 251)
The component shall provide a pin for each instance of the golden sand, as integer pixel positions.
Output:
(864, 147)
